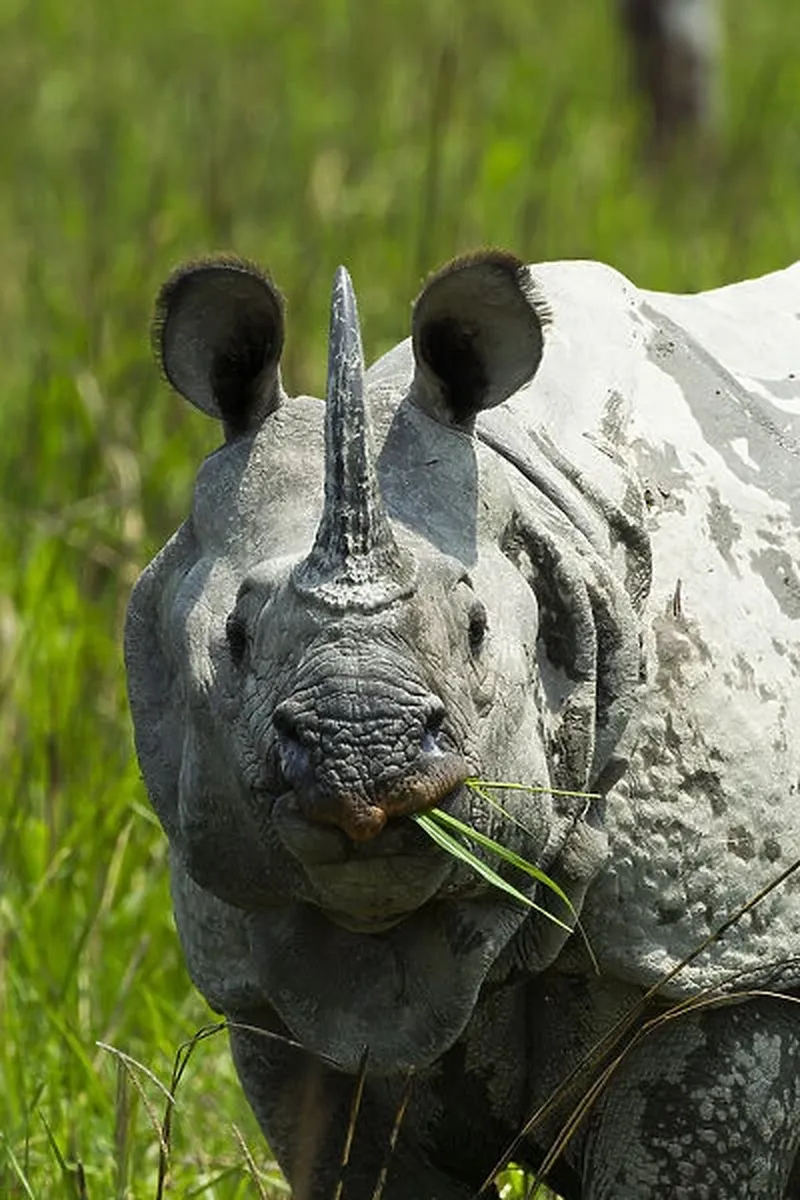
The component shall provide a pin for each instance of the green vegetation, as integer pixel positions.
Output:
(300, 134)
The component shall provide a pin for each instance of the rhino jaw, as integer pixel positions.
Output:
(406, 993)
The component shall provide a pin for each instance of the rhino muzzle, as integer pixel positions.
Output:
(369, 751)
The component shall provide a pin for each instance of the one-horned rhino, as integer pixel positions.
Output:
(552, 539)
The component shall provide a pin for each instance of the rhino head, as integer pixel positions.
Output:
(335, 640)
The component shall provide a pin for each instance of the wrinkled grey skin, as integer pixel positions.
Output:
(550, 539)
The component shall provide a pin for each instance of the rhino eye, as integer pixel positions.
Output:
(236, 635)
(478, 621)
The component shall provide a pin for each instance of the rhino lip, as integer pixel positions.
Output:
(323, 843)
(364, 925)
(362, 887)
(370, 896)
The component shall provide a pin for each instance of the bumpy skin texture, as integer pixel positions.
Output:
(564, 555)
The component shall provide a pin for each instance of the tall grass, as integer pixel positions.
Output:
(301, 134)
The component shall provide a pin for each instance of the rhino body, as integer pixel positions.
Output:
(551, 539)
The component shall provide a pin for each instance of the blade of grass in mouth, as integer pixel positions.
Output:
(439, 821)
(432, 823)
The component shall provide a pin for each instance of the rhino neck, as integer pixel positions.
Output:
(406, 994)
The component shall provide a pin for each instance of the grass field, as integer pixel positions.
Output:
(300, 133)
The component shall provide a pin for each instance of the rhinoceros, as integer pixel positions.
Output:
(551, 539)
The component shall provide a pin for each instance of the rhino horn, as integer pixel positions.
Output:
(355, 561)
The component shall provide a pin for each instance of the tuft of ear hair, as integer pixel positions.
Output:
(477, 333)
(218, 334)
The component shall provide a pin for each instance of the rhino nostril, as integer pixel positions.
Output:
(435, 716)
(284, 718)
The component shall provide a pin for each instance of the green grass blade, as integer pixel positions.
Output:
(428, 822)
(514, 860)
(72, 1176)
(523, 864)
(536, 789)
(18, 1171)
(550, 882)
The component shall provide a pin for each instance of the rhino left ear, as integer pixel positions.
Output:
(477, 336)
(218, 332)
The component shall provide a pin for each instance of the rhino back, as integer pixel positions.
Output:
(709, 813)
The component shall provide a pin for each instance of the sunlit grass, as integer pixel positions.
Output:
(451, 834)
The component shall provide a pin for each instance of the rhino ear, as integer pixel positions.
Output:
(477, 336)
(218, 332)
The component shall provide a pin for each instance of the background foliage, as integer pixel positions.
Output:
(300, 133)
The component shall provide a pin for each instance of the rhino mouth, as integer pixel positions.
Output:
(365, 887)
(360, 798)
(365, 925)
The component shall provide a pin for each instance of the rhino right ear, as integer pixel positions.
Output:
(477, 336)
(218, 332)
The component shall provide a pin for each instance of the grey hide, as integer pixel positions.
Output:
(552, 538)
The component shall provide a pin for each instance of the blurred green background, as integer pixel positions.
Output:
(301, 133)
